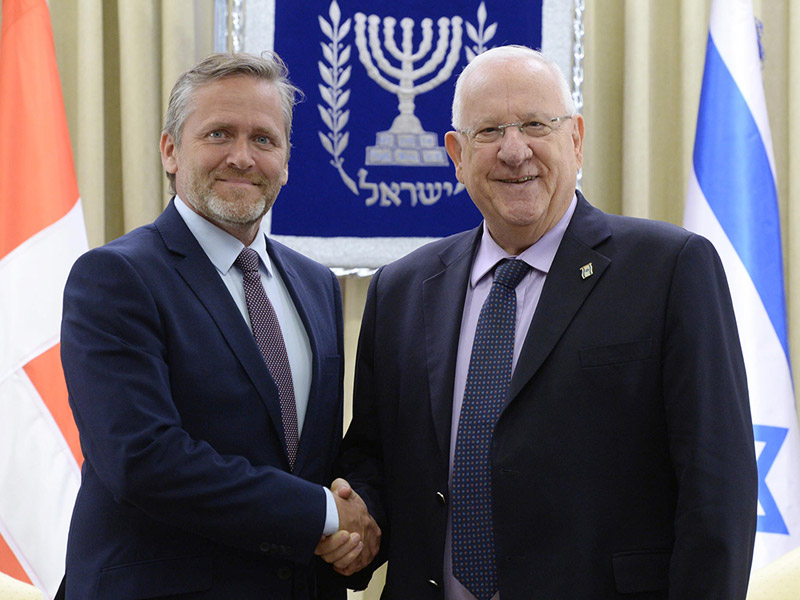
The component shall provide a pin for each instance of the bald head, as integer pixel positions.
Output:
(506, 55)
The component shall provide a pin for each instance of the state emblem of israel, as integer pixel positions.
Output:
(379, 105)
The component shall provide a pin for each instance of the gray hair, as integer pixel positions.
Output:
(268, 67)
(509, 52)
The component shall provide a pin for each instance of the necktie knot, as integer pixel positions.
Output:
(510, 272)
(247, 261)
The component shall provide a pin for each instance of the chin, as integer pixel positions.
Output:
(523, 216)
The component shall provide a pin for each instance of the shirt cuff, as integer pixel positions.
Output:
(331, 514)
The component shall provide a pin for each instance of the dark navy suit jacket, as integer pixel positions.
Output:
(622, 462)
(186, 486)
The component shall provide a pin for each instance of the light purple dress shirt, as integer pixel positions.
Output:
(539, 256)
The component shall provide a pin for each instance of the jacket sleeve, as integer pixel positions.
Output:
(710, 432)
(361, 459)
(115, 358)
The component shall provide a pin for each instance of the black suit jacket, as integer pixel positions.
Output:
(186, 486)
(623, 459)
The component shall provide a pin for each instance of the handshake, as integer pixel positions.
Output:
(357, 542)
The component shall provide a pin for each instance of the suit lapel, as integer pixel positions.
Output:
(201, 276)
(443, 297)
(565, 290)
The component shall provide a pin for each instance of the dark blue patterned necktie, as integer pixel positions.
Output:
(488, 378)
(269, 340)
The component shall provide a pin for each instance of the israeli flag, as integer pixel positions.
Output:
(732, 200)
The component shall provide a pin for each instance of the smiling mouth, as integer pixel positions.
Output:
(520, 179)
(238, 181)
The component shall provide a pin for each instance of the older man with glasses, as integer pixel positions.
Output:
(554, 404)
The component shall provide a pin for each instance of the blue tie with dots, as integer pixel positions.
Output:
(488, 378)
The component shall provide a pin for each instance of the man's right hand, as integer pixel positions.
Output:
(357, 542)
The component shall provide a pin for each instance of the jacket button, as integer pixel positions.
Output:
(441, 498)
(265, 546)
(284, 573)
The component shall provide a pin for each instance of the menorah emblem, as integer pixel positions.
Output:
(406, 142)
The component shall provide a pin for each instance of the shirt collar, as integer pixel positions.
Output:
(539, 256)
(220, 246)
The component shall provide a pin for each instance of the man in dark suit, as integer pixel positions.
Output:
(209, 412)
(606, 450)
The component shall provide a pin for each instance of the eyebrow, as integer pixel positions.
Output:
(533, 116)
(273, 134)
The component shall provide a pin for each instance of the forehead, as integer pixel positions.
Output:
(511, 88)
(238, 100)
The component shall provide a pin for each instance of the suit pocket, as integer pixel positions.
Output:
(154, 578)
(641, 571)
(613, 354)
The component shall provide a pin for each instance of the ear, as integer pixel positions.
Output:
(453, 145)
(577, 138)
(168, 150)
(285, 176)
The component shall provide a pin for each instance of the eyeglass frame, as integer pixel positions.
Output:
(519, 124)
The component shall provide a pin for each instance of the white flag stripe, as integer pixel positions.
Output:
(35, 511)
(32, 278)
(734, 31)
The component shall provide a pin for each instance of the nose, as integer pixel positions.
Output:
(240, 154)
(514, 147)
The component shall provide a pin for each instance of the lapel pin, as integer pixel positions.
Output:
(587, 271)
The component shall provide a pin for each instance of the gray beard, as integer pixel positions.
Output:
(210, 204)
(233, 213)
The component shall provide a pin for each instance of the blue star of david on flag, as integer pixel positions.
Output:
(772, 437)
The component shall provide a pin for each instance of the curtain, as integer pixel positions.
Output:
(643, 73)
(643, 70)
(118, 60)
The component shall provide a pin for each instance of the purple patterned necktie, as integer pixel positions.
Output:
(488, 378)
(269, 340)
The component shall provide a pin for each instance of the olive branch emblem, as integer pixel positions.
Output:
(480, 36)
(335, 75)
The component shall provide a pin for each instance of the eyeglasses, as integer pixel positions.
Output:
(533, 128)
